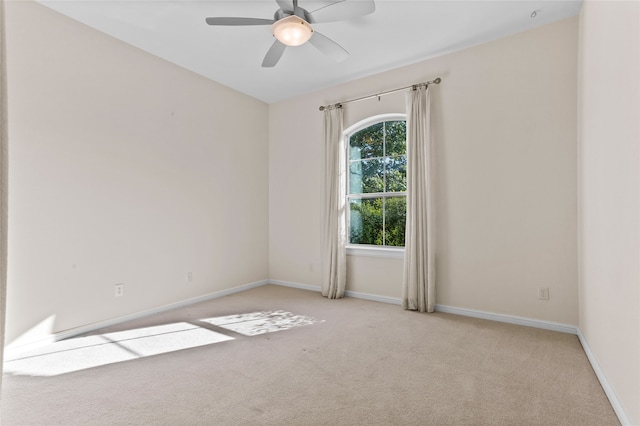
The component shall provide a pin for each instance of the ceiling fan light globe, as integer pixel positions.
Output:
(292, 30)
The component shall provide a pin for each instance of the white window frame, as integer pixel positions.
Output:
(367, 249)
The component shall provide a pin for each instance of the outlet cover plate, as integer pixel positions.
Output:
(119, 290)
(543, 293)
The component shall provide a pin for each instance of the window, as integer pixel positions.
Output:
(377, 181)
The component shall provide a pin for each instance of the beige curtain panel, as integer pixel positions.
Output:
(418, 286)
(334, 257)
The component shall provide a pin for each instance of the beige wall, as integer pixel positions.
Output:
(505, 117)
(123, 169)
(609, 193)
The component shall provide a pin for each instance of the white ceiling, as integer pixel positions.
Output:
(397, 33)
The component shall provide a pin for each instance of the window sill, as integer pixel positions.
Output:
(373, 251)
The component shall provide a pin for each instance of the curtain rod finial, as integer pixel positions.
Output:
(437, 80)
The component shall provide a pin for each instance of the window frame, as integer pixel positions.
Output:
(369, 250)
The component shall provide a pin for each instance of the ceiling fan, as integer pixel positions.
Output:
(291, 26)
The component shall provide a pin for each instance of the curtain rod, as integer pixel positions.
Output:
(377, 95)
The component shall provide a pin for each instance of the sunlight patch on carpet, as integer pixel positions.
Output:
(80, 353)
(255, 323)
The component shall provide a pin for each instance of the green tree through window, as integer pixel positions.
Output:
(377, 184)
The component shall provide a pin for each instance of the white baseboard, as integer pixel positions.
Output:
(354, 294)
(295, 285)
(606, 386)
(510, 319)
(373, 297)
(11, 351)
(546, 325)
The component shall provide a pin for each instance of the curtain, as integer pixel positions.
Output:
(334, 258)
(418, 286)
(3, 183)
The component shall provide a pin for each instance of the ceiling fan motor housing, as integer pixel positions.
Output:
(298, 11)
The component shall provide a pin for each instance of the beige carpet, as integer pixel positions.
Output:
(313, 361)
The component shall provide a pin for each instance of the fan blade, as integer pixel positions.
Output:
(342, 10)
(273, 55)
(329, 47)
(286, 5)
(239, 21)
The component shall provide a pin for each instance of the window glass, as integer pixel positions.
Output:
(366, 176)
(395, 209)
(365, 224)
(396, 174)
(396, 137)
(367, 143)
(377, 184)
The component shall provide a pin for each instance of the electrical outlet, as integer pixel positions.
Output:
(189, 277)
(312, 267)
(543, 293)
(119, 290)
